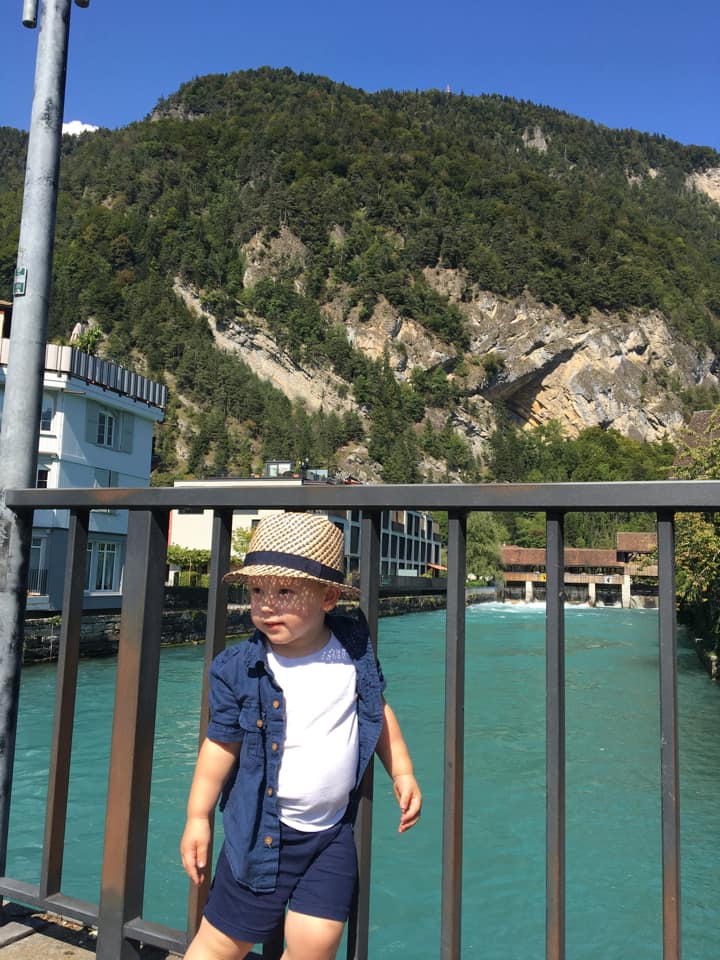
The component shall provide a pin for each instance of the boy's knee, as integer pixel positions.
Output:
(311, 938)
(209, 943)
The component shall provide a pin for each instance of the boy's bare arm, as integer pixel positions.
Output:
(214, 763)
(395, 757)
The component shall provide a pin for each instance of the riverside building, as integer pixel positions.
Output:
(625, 576)
(96, 430)
(409, 540)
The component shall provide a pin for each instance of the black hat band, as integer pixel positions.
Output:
(274, 558)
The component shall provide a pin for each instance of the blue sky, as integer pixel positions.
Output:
(654, 66)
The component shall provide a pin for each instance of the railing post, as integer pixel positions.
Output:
(669, 763)
(126, 825)
(214, 643)
(451, 907)
(359, 924)
(65, 690)
(555, 739)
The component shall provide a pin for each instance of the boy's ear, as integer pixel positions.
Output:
(330, 598)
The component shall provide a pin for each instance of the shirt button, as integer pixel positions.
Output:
(269, 791)
(276, 703)
(268, 841)
(274, 746)
(258, 723)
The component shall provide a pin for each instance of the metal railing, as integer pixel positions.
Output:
(119, 913)
(37, 581)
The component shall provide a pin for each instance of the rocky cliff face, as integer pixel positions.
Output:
(707, 182)
(609, 371)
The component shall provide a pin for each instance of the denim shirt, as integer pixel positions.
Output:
(248, 706)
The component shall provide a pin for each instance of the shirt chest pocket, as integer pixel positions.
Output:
(252, 728)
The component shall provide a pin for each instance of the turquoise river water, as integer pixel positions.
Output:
(613, 834)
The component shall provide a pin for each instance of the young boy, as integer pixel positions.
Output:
(296, 713)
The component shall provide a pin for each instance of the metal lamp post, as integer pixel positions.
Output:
(23, 387)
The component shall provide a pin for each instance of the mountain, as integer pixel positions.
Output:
(377, 280)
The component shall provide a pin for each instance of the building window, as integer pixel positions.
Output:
(41, 478)
(105, 478)
(47, 412)
(106, 429)
(103, 567)
(355, 540)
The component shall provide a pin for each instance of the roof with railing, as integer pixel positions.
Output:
(67, 360)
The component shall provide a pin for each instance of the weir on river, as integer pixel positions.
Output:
(614, 900)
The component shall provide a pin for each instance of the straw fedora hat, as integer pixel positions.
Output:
(302, 545)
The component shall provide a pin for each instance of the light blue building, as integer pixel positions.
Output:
(96, 430)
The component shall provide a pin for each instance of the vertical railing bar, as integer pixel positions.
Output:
(669, 762)
(214, 643)
(359, 923)
(555, 739)
(65, 691)
(126, 822)
(451, 903)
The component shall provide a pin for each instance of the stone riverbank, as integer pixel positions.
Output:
(99, 633)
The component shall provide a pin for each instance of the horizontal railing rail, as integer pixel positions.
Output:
(567, 497)
(119, 912)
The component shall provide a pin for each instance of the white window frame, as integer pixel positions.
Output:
(104, 567)
(47, 412)
(109, 428)
(107, 425)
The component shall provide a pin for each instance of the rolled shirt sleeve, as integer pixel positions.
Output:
(224, 725)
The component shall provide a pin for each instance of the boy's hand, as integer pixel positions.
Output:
(194, 848)
(409, 800)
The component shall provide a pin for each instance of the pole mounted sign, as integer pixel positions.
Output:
(20, 282)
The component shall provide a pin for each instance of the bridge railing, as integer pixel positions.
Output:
(119, 912)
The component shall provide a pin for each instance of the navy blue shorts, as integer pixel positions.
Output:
(316, 876)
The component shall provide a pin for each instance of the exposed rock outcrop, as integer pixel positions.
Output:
(707, 182)
(283, 255)
(610, 371)
(534, 138)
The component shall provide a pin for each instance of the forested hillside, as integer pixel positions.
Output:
(376, 189)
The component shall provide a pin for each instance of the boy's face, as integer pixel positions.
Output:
(291, 612)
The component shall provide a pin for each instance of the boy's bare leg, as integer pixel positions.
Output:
(311, 938)
(210, 943)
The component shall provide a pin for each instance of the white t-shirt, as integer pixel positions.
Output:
(320, 755)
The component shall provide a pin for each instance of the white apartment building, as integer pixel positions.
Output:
(96, 430)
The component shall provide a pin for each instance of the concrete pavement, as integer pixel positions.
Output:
(27, 935)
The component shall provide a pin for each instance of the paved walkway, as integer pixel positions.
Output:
(35, 936)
